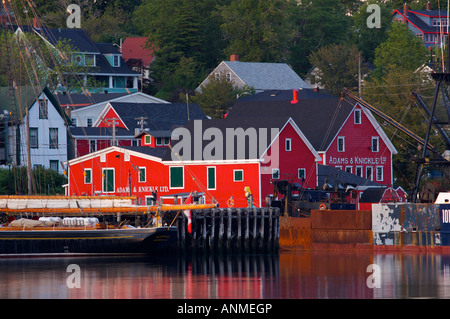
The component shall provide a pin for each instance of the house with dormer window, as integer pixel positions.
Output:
(429, 25)
(102, 62)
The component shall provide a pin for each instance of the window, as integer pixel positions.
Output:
(275, 173)
(142, 174)
(238, 175)
(349, 169)
(176, 177)
(43, 109)
(74, 121)
(374, 144)
(34, 137)
(135, 143)
(54, 165)
(166, 140)
(228, 77)
(341, 144)
(116, 60)
(369, 173)
(92, 146)
(301, 173)
(89, 60)
(87, 176)
(287, 143)
(158, 141)
(211, 177)
(379, 172)
(148, 139)
(357, 116)
(53, 137)
(359, 171)
(108, 180)
(150, 200)
(89, 122)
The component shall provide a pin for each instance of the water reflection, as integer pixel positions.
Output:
(290, 275)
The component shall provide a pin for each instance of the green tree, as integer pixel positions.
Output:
(190, 32)
(337, 67)
(257, 30)
(317, 23)
(217, 95)
(368, 39)
(401, 49)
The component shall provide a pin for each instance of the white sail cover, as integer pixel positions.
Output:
(55, 203)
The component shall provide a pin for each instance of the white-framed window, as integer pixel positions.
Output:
(176, 177)
(375, 145)
(87, 175)
(228, 77)
(288, 144)
(116, 61)
(349, 169)
(359, 171)
(135, 142)
(89, 122)
(92, 146)
(301, 173)
(357, 116)
(148, 139)
(339, 167)
(89, 59)
(238, 175)
(142, 174)
(108, 180)
(341, 144)
(275, 173)
(211, 177)
(379, 173)
(74, 121)
(369, 171)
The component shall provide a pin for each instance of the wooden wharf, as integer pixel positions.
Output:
(230, 231)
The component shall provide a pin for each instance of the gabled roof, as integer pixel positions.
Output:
(134, 48)
(412, 18)
(76, 100)
(55, 104)
(265, 76)
(319, 116)
(265, 130)
(160, 116)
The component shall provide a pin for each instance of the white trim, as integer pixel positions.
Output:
(111, 149)
(376, 173)
(234, 171)
(298, 173)
(104, 112)
(170, 175)
(354, 116)
(370, 178)
(207, 177)
(84, 171)
(103, 179)
(300, 134)
(378, 144)
(362, 170)
(349, 167)
(274, 170)
(286, 140)
(145, 174)
(343, 144)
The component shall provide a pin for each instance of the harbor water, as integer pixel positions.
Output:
(288, 275)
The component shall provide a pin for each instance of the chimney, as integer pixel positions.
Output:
(36, 23)
(294, 97)
(428, 6)
(234, 58)
(405, 9)
(316, 89)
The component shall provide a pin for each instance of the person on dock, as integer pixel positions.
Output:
(248, 196)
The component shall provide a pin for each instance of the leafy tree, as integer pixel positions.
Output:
(337, 67)
(401, 49)
(217, 95)
(367, 39)
(257, 30)
(317, 23)
(190, 32)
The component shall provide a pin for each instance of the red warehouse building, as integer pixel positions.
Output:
(344, 134)
(217, 158)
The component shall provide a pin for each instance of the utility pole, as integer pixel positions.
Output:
(141, 122)
(113, 122)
